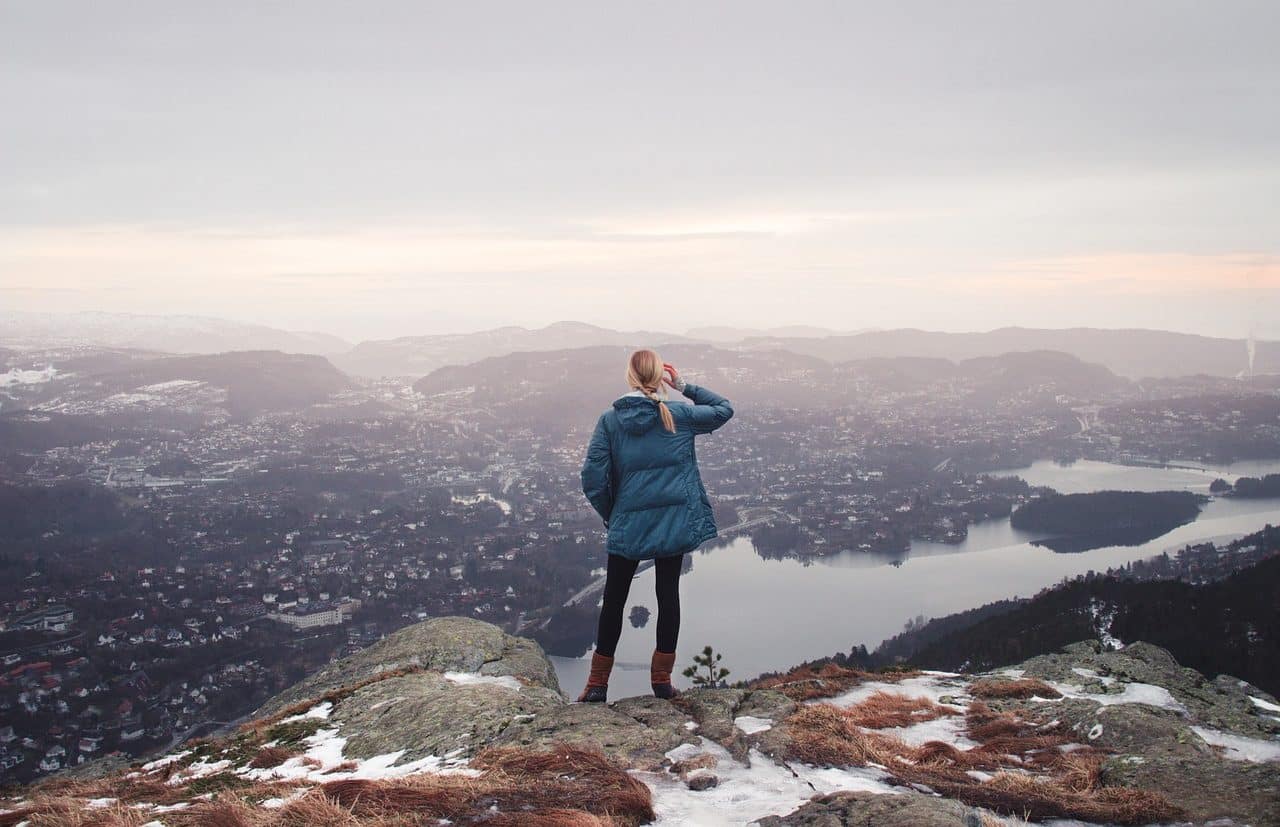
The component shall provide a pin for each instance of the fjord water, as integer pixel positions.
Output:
(767, 615)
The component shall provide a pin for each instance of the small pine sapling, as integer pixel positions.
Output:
(706, 669)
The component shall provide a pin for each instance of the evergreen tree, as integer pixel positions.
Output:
(708, 660)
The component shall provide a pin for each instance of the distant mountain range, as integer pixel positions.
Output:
(166, 334)
(1135, 353)
(721, 333)
(535, 386)
(1132, 353)
(254, 380)
(420, 355)
(249, 382)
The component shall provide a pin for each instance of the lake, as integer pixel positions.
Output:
(768, 615)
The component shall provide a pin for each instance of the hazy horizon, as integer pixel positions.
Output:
(786, 330)
(399, 168)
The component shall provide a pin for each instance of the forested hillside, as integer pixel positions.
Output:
(1228, 627)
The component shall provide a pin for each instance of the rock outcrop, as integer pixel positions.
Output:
(909, 809)
(1121, 733)
(1138, 704)
(456, 686)
(444, 644)
(1175, 748)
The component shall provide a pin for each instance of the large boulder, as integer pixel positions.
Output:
(425, 713)
(453, 686)
(443, 644)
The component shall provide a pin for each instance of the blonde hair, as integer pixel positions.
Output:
(644, 373)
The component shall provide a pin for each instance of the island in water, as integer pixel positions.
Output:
(1080, 522)
(1257, 487)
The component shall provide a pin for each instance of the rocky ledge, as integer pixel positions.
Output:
(454, 721)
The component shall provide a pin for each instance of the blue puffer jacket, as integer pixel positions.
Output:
(643, 479)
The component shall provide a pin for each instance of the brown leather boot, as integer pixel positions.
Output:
(660, 674)
(597, 690)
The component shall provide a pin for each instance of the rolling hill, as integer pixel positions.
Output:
(1132, 353)
(420, 355)
(166, 334)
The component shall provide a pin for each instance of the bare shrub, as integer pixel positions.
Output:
(806, 683)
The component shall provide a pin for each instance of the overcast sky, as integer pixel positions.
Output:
(378, 169)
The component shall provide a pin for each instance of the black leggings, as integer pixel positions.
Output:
(616, 586)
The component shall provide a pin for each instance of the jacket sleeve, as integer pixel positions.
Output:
(710, 409)
(597, 472)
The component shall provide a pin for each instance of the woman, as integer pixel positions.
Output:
(641, 475)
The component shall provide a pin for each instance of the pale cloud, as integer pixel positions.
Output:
(1145, 274)
(438, 166)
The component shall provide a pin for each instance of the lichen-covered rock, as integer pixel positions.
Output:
(425, 713)
(454, 686)
(612, 730)
(1205, 788)
(1156, 748)
(443, 644)
(860, 809)
(717, 710)
(1222, 703)
(713, 710)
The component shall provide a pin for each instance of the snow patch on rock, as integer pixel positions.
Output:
(748, 791)
(1238, 747)
(750, 725)
(474, 678)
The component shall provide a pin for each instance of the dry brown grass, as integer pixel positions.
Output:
(1022, 688)
(805, 683)
(1036, 798)
(1005, 734)
(72, 813)
(882, 710)
(345, 766)
(223, 811)
(549, 818)
(1080, 771)
(151, 790)
(825, 734)
(587, 778)
(560, 786)
(524, 786)
(1048, 784)
(271, 757)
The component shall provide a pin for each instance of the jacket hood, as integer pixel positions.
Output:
(636, 413)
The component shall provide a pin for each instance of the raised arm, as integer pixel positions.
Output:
(710, 409)
(597, 472)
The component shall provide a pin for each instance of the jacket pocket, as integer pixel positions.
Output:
(616, 540)
(666, 502)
